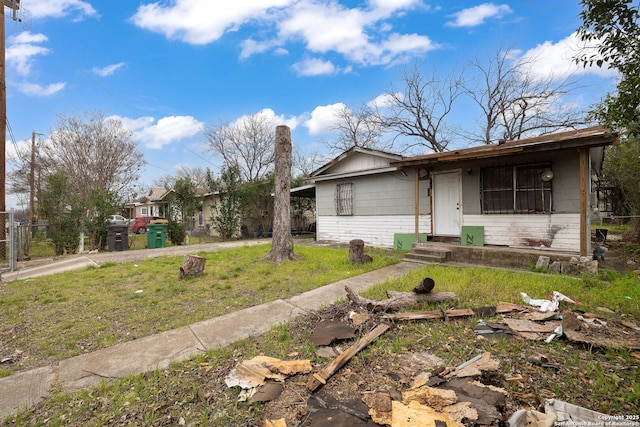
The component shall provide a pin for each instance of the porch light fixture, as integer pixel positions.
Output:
(547, 175)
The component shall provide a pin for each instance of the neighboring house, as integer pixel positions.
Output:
(153, 204)
(536, 192)
(202, 223)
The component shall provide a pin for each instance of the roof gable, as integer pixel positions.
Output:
(355, 160)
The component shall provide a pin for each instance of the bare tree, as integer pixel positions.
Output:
(420, 110)
(19, 176)
(303, 164)
(247, 143)
(357, 128)
(99, 161)
(197, 175)
(96, 153)
(282, 246)
(516, 103)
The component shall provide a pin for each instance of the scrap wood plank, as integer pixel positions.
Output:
(416, 414)
(397, 299)
(454, 312)
(530, 330)
(321, 377)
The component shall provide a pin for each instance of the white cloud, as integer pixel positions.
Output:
(108, 70)
(555, 60)
(314, 67)
(394, 4)
(323, 118)
(202, 21)
(39, 90)
(22, 49)
(134, 125)
(361, 35)
(165, 131)
(270, 115)
(58, 8)
(477, 15)
(251, 47)
(350, 32)
(383, 101)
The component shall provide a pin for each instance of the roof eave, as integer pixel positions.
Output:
(500, 151)
(352, 174)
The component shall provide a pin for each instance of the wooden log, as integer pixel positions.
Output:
(321, 377)
(193, 265)
(397, 300)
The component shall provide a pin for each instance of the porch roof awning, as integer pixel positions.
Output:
(304, 191)
(596, 136)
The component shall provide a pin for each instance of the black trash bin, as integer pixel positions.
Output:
(118, 237)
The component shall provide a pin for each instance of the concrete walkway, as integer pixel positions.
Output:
(25, 389)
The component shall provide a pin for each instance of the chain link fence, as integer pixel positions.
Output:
(8, 241)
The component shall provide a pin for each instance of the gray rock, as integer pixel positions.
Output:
(543, 262)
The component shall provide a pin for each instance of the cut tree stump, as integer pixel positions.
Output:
(356, 253)
(193, 265)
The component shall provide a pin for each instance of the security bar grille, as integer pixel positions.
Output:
(508, 189)
(344, 199)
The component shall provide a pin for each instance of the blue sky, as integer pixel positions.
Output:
(169, 68)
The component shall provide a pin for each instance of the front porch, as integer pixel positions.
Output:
(493, 256)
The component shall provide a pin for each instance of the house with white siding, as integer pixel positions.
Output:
(529, 193)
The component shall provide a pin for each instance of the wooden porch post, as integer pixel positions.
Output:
(417, 205)
(584, 232)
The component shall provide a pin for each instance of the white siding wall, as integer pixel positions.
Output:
(556, 231)
(375, 230)
(385, 194)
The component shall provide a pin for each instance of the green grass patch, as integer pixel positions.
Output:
(59, 316)
(476, 287)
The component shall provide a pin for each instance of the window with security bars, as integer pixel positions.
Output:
(516, 189)
(344, 199)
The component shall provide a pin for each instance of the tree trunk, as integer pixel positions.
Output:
(193, 265)
(356, 253)
(282, 243)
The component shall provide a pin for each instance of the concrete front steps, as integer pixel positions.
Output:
(428, 254)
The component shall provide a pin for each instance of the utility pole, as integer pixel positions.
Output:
(14, 5)
(3, 141)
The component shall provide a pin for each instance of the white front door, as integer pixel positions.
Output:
(447, 205)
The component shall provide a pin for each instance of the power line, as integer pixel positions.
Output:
(13, 141)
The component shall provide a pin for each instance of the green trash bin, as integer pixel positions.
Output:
(157, 235)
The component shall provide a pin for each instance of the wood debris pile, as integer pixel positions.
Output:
(426, 392)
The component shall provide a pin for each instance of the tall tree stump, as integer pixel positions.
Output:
(193, 265)
(356, 252)
(282, 242)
